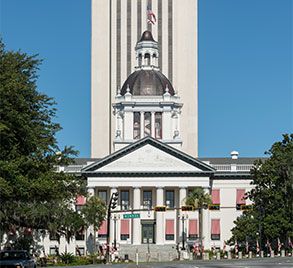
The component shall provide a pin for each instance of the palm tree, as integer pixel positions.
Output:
(199, 200)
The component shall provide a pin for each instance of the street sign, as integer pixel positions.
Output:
(131, 216)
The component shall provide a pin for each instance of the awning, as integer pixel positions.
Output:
(193, 229)
(215, 227)
(216, 196)
(169, 227)
(124, 227)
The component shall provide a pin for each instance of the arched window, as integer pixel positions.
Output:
(139, 60)
(136, 125)
(147, 58)
(147, 124)
(158, 125)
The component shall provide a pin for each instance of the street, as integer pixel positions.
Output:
(244, 263)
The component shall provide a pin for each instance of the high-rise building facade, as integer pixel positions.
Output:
(117, 25)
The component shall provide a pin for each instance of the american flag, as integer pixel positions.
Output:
(236, 247)
(279, 245)
(151, 17)
(269, 245)
(246, 246)
(224, 247)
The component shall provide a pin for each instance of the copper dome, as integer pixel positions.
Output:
(147, 83)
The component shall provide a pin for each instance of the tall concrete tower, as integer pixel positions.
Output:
(117, 25)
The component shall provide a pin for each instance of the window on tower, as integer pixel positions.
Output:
(139, 59)
(158, 125)
(147, 124)
(147, 58)
(136, 125)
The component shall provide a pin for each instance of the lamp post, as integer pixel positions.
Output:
(183, 218)
(115, 218)
(112, 205)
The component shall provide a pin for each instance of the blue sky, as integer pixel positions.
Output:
(245, 68)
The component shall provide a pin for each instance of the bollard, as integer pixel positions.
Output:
(240, 255)
(272, 254)
(229, 255)
(261, 254)
(250, 254)
(283, 253)
(136, 257)
(218, 256)
(190, 256)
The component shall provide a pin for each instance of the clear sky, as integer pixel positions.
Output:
(245, 68)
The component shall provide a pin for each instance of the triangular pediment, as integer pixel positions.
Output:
(148, 155)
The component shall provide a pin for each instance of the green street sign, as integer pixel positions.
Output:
(131, 216)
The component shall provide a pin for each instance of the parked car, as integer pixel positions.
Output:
(16, 259)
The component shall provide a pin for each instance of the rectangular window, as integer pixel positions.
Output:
(79, 202)
(147, 124)
(136, 125)
(102, 194)
(102, 232)
(79, 235)
(124, 231)
(53, 251)
(53, 236)
(124, 198)
(147, 199)
(215, 229)
(170, 196)
(215, 200)
(158, 125)
(169, 230)
(240, 193)
(193, 229)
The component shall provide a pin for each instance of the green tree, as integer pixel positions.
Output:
(272, 196)
(33, 196)
(199, 200)
(94, 212)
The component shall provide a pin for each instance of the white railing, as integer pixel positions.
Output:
(227, 167)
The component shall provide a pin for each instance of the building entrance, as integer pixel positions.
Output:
(148, 233)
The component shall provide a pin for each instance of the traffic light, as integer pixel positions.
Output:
(160, 208)
(186, 208)
(246, 207)
(114, 200)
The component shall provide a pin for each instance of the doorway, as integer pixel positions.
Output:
(148, 233)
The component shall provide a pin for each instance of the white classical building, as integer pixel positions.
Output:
(149, 169)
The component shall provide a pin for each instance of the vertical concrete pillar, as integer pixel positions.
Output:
(153, 125)
(136, 228)
(141, 125)
(160, 224)
(206, 225)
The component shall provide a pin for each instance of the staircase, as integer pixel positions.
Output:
(149, 252)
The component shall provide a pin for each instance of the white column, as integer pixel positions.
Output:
(90, 233)
(160, 217)
(153, 124)
(206, 225)
(141, 125)
(136, 229)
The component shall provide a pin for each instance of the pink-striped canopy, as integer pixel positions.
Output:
(215, 227)
(193, 230)
(169, 227)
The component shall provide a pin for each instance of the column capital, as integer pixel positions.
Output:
(160, 187)
(136, 187)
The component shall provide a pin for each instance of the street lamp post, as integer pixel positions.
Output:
(183, 218)
(115, 218)
(112, 205)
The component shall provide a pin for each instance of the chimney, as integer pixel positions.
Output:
(234, 154)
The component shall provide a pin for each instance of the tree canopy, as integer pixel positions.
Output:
(272, 214)
(32, 194)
